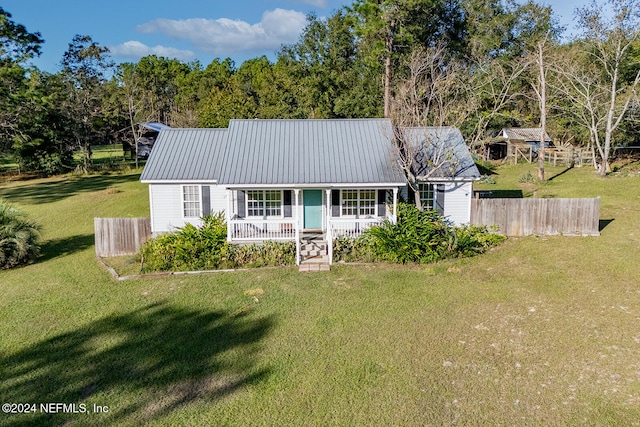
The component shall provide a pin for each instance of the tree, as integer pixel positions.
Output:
(331, 79)
(17, 45)
(158, 80)
(194, 87)
(45, 142)
(85, 66)
(224, 104)
(19, 237)
(594, 71)
(497, 87)
(500, 38)
(539, 57)
(434, 94)
(134, 99)
(540, 89)
(389, 27)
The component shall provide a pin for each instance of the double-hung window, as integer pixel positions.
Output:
(264, 203)
(358, 203)
(427, 196)
(191, 207)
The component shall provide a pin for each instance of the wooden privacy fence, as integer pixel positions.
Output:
(120, 236)
(525, 217)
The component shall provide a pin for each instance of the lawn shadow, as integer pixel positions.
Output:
(560, 173)
(55, 190)
(484, 170)
(154, 360)
(507, 194)
(602, 224)
(69, 245)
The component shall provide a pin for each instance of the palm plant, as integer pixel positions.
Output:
(19, 237)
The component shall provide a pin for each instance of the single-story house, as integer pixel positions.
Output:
(278, 179)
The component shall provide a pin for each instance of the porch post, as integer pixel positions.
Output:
(329, 231)
(228, 213)
(297, 223)
(395, 205)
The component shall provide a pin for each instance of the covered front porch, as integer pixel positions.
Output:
(285, 214)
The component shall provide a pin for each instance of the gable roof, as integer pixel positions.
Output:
(524, 134)
(353, 151)
(293, 152)
(440, 153)
(181, 154)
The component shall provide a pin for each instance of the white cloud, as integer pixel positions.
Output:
(226, 36)
(136, 50)
(317, 3)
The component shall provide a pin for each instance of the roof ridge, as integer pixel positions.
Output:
(315, 120)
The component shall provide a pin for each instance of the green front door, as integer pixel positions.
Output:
(312, 200)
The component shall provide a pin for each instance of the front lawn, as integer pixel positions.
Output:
(539, 331)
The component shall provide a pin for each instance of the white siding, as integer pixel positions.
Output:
(218, 198)
(457, 202)
(166, 206)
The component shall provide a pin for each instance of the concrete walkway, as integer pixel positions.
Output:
(313, 266)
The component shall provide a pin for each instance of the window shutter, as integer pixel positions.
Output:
(286, 203)
(382, 198)
(241, 204)
(440, 198)
(335, 203)
(206, 200)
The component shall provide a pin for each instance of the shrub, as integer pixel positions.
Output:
(206, 248)
(527, 178)
(268, 254)
(417, 236)
(190, 248)
(348, 249)
(487, 179)
(19, 237)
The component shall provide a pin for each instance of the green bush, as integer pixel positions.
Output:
(418, 236)
(527, 178)
(349, 249)
(268, 254)
(206, 248)
(19, 237)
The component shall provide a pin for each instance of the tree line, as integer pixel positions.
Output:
(480, 65)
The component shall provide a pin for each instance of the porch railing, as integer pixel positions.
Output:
(262, 229)
(351, 227)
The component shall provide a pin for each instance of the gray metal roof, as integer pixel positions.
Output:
(157, 126)
(295, 152)
(525, 134)
(440, 153)
(273, 152)
(186, 155)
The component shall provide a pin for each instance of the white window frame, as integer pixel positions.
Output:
(198, 202)
(262, 204)
(359, 203)
(424, 188)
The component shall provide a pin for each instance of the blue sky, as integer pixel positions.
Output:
(186, 30)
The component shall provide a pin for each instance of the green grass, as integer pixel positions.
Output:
(104, 158)
(539, 331)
